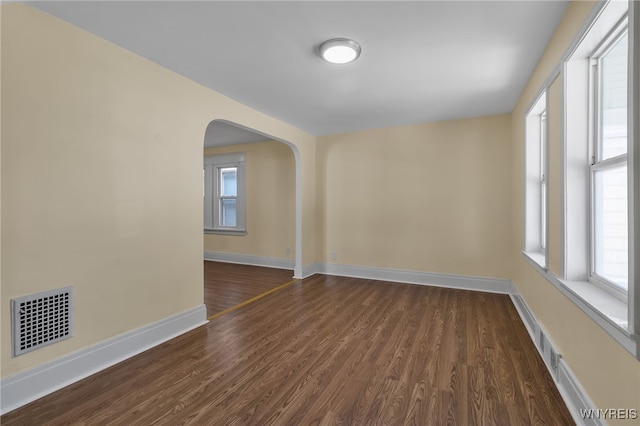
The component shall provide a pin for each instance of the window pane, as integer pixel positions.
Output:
(613, 104)
(543, 181)
(228, 182)
(228, 212)
(543, 216)
(610, 214)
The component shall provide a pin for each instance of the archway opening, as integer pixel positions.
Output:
(252, 199)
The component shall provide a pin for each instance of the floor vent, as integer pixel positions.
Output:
(41, 319)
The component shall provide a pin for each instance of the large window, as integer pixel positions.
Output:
(224, 199)
(596, 226)
(609, 205)
(594, 180)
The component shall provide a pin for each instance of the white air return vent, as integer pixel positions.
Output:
(554, 360)
(41, 319)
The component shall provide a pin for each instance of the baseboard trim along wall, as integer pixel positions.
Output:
(462, 282)
(245, 259)
(27, 386)
(573, 394)
(311, 269)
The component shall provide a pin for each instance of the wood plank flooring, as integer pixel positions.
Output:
(228, 284)
(328, 350)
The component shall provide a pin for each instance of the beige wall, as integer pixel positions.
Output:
(431, 197)
(270, 175)
(609, 374)
(102, 179)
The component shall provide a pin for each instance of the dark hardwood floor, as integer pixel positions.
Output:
(228, 284)
(328, 350)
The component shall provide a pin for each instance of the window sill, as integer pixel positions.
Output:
(606, 310)
(610, 306)
(538, 258)
(225, 232)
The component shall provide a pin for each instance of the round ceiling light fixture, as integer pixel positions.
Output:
(340, 50)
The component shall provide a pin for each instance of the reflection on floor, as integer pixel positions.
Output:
(228, 284)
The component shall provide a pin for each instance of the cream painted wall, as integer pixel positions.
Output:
(431, 197)
(608, 373)
(270, 174)
(102, 179)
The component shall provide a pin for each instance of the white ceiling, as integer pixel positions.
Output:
(421, 61)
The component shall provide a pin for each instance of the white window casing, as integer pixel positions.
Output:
(536, 193)
(217, 202)
(608, 254)
(633, 172)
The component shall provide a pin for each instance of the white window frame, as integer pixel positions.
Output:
(536, 193)
(621, 320)
(597, 163)
(543, 181)
(212, 220)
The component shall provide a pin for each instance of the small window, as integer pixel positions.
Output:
(609, 206)
(224, 200)
(536, 185)
(227, 199)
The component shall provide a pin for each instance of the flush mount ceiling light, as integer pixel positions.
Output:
(340, 51)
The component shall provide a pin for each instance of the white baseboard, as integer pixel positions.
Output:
(568, 385)
(311, 269)
(26, 386)
(245, 259)
(462, 282)
(575, 397)
(525, 314)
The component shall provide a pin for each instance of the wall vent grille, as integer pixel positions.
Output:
(41, 319)
(554, 358)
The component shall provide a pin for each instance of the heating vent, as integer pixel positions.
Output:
(41, 319)
(549, 354)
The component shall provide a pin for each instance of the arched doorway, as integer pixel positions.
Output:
(230, 135)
